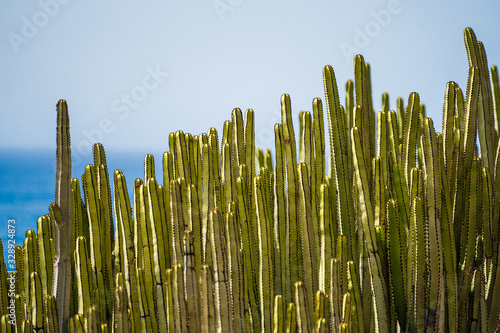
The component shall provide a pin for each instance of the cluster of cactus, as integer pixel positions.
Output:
(399, 234)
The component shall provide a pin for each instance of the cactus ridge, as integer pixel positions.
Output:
(396, 230)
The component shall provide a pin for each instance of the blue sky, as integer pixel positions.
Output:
(134, 72)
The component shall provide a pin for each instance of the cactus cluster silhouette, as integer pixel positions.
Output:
(397, 231)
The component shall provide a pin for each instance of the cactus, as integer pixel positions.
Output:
(62, 215)
(400, 234)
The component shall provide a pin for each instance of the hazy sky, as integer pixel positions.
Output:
(132, 72)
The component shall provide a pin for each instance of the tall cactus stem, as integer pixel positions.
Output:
(63, 219)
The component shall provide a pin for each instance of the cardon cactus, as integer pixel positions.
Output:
(397, 230)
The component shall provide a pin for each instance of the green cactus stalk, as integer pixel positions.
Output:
(177, 221)
(293, 240)
(486, 123)
(208, 322)
(397, 252)
(26, 326)
(378, 284)
(45, 253)
(5, 326)
(157, 239)
(466, 150)
(433, 186)
(249, 268)
(62, 215)
(235, 270)
(320, 309)
(302, 306)
(328, 234)
(83, 276)
(340, 158)
(107, 227)
(92, 323)
(77, 324)
(335, 294)
(222, 295)
(207, 204)
(282, 273)
(191, 283)
(416, 269)
(178, 300)
(266, 274)
(169, 301)
(125, 252)
(138, 223)
(51, 314)
(308, 241)
(346, 313)
(195, 225)
(148, 321)
(227, 174)
(363, 100)
(356, 304)
(121, 321)
(19, 305)
(98, 253)
(147, 286)
(30, 257)
(36, 314)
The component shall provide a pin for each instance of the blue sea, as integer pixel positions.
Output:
(27, 184)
